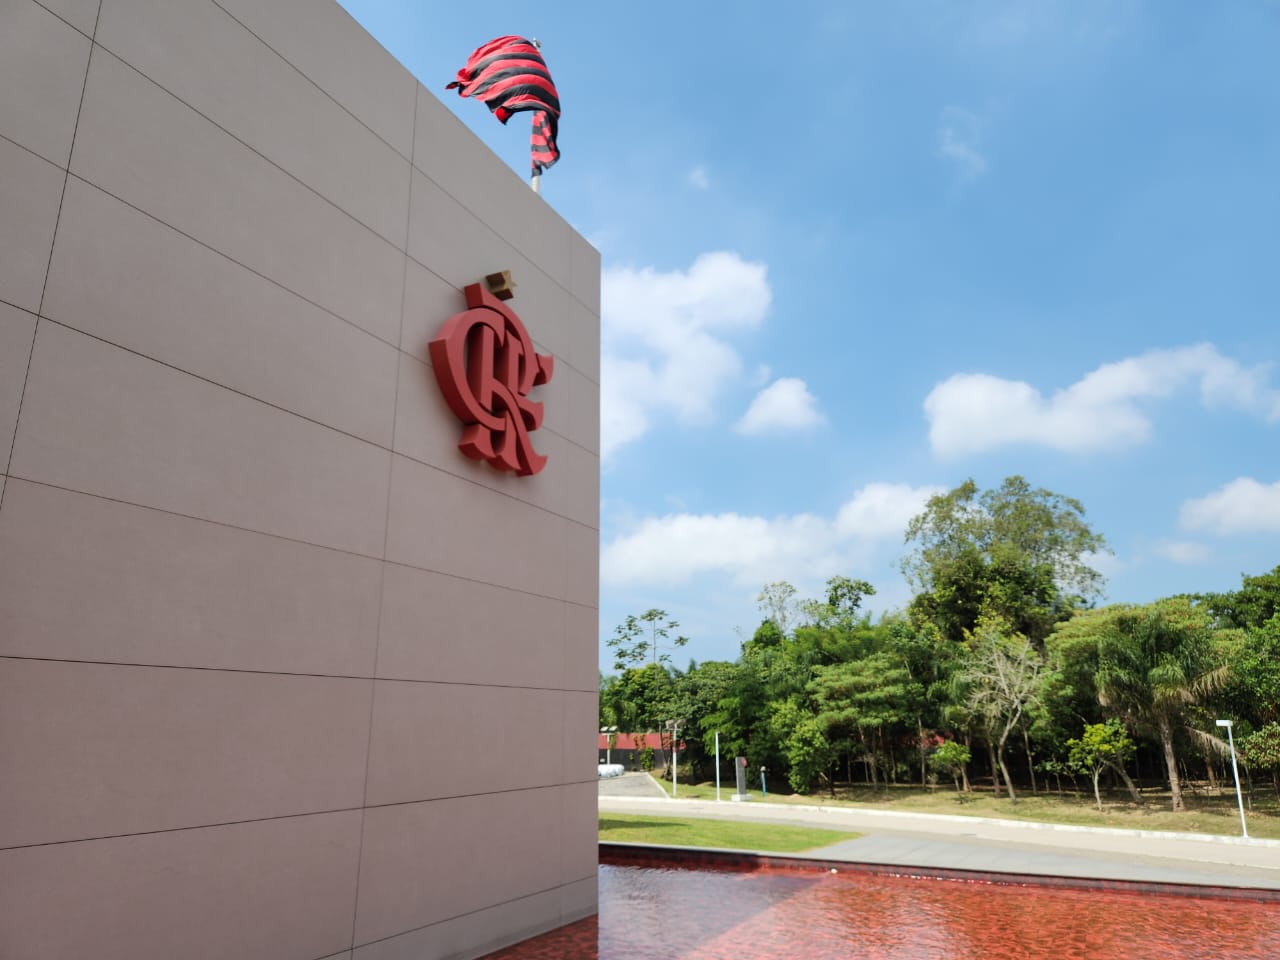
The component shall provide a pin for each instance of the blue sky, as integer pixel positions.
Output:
(857, 253)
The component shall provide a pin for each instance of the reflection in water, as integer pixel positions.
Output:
(649, 913)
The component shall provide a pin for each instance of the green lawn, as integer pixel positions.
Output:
(730, 834)
(1208, 812)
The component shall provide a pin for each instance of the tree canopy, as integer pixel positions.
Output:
(1016, 553)
(1000, 667)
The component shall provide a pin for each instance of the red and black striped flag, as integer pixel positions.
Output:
(509, 75)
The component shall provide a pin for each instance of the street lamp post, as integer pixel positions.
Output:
(674, 727)
(1235, 772)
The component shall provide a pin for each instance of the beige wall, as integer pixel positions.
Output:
(282, 674)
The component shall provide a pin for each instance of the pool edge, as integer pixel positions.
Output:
(615, 853)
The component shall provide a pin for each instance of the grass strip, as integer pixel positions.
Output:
(728, 834)
(1207, 813)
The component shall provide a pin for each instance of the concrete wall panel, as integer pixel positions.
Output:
(578, 900)
(450, 630)
(580, 736)
(584, 412)
(426, 429)
(444, 523)
(141, 144)
(30, 189)
(427, 862)
(471, 934)
(455, 160)
(582, 564)
(458, 246)
(197, 51)
(273, 890)
(433, 740)
(81, 14)
(323, 42)
(428, 302)
(194, 309)
(17, 330)
(581, 647)
(490, 190)
(579, 849)
(42, 68)
(577, 482)
(83, 578)
(584, 277)
(584, 346)
(101, 420)
(103, 750)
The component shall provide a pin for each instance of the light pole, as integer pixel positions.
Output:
(674, 727)
(608, 742)
(1235, 772)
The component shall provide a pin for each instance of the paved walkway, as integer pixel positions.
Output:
(631, 785)
(973, 843)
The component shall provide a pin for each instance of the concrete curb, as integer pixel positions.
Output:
(621, 853)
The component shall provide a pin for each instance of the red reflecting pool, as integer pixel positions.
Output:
(649, 912)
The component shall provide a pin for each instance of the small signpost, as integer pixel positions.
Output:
(741, 768)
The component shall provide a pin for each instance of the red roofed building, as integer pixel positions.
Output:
(627, 746)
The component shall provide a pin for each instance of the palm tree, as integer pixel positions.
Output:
(1154, 663)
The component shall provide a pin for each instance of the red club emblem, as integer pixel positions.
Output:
(486, 365)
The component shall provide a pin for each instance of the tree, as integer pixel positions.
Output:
(1154, 663)
(930, 661)
(1261, 751)
(777, 601)
(1102, 746)
(1069, 692)
(951, 758)
(638, 639)
(839, 608)
(1016, 553)
(866, 701)
(1249, 623)
(637, 700)
(699, 692)
(809, 755)
(1002, 678)
(1256, 602)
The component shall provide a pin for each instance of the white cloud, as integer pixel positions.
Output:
(665, 340)
(960, 140)
(1242, 506)
(1181, 551)
(976, 412)
(882, 510)
(675, 548)
(698, 178)
(786, 404)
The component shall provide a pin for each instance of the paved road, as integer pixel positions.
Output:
(972, 843)
(631, 785)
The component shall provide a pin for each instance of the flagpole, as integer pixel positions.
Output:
(536, 180)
